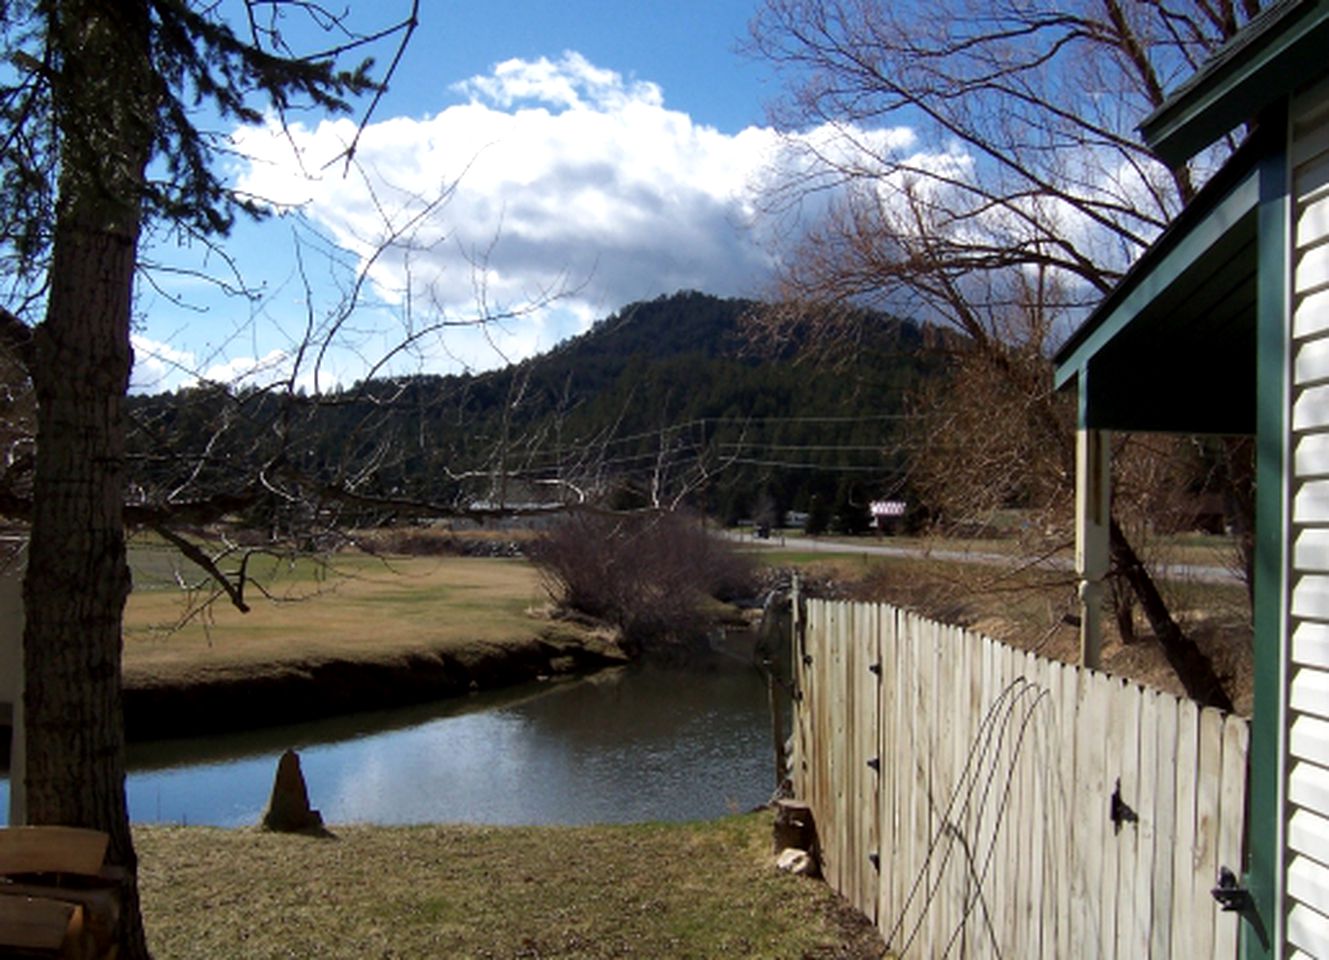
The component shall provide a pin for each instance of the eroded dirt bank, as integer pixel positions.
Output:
(226, 698)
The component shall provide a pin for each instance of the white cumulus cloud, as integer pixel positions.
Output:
(571, 81)
(555, 177)
(159, 366)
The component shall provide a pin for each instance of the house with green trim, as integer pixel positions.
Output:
(1223, 327)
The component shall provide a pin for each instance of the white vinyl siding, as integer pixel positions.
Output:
(1306, 851)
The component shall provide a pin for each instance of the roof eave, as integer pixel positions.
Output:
(1262, 64)
(1233, 181)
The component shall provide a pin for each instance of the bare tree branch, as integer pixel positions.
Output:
(234, 590)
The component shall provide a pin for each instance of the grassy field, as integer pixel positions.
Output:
(695, 890)
(351, 607)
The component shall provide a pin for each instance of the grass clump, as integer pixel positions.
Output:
(696, 890)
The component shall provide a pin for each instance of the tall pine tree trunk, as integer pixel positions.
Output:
(77, 578)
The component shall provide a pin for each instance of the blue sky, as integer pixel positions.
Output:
(685, 46)
(634, 125)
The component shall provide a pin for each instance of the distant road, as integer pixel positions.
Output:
(884, 548)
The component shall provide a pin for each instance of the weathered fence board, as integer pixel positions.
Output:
(978, 801)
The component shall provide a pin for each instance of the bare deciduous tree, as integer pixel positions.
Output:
(976, 165)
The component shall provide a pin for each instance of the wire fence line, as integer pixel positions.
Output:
(975, 800)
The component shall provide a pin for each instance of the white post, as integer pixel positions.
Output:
(11, 677)
(1093, 501)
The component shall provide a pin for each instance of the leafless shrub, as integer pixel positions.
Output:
(650, 575)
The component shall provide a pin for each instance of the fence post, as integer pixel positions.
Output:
(1093, 498)
(801, 780)
(769, 641)
(777, 724)
(797, 621)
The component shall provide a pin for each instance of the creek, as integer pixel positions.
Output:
(638, 743)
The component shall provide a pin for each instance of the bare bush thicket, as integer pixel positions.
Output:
(415, 541)
(651, 575)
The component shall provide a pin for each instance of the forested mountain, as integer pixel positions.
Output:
(671, 397)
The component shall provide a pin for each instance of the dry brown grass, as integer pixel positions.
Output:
(678, 890)
(353, 607)
(1028, 609)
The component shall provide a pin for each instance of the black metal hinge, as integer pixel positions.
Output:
(1119, 811)
(1232, 897)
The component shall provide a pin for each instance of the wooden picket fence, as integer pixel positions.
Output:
(974, 800)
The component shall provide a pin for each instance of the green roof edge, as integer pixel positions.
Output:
(1266, 60)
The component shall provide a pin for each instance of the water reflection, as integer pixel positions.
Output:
(643, 743)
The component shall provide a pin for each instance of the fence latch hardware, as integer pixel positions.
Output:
(1230, 894)
(875, 764)
(1119, 811)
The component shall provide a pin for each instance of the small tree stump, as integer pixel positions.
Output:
(288, 810)
(794, 827)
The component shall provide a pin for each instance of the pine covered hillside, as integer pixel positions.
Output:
(672, 395)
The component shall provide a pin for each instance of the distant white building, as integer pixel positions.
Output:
(884, 511)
